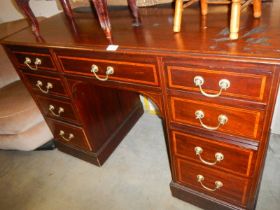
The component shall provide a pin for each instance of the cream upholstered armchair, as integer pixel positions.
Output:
(22, 126)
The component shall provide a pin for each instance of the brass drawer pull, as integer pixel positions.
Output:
(37, 62)
(71, 135)
(109, 71)
(222, 119)
(218, 184)
(223, 84)
(49, 86)
(218, 156)
(52, 108)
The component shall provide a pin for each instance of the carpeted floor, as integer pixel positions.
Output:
(135, 177)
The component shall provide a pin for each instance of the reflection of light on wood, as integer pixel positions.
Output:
(203, 29)
(179, 40)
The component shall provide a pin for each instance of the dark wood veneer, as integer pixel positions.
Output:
(243, 85)
(69, 113)
(123, 71)
(79, 140)
(242, 122)
(153, 61)
(237, 159)
(235, 189)
(58, 88)
(102, 109)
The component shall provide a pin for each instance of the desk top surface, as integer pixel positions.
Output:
(208, 35)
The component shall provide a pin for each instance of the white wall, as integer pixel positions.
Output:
(10, 12)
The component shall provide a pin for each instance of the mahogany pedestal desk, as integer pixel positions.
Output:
(216, 96)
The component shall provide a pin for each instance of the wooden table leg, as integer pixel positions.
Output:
(71, 20)
(204, 7)
(178, 16)
(66, 8)
(135, 12)
(257, 5)
(235, 19)
(102, 13)
(24, 6)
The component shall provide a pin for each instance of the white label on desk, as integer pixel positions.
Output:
(112, 47)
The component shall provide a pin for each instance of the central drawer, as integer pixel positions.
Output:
(130, 72)
(217, 117)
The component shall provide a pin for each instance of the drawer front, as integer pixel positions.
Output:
(247, 85)
(57, 109)
(210, 116)
(34, 61)
(214, 183)
(69, 135)
(213, 153)
(46, 85)
(145, 74)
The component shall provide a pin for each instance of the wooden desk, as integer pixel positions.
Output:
(217, 145)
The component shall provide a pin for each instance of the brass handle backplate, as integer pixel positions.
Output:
(70, 136)
(223, 84)
(52, 108)
(222, 119)
(28, 62)
(109, 71)
(49, 86)
(218, 156)
(200, 179)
